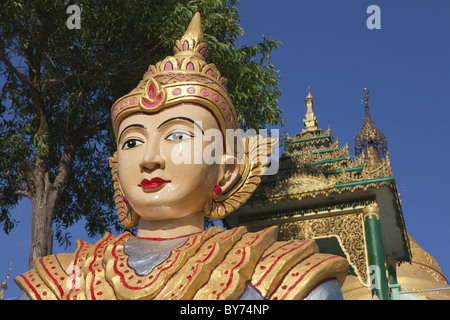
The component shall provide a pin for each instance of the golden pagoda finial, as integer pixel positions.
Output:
(309, 96)
(4, 284)
(310, 121)
(370, 140)
(366, 99)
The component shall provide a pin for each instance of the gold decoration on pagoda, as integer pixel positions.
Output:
(310, 120)
(420, 279)
(346, 228)
(423, 277)
(370, 141)
(4, 284)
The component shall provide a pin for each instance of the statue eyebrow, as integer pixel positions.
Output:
(131, 125)
(182, 118)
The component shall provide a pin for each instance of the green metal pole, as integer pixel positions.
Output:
(375, 252)
(392, 275)
(394, 287)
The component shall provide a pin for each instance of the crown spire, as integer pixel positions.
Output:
(370, 140)
(191, 43)
(310, 119)
(194, 30)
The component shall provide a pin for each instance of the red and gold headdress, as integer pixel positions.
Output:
(186, 77)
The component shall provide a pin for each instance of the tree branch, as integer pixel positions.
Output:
(22, 193)
(89, 132)
(67, 76)
(29, 174)
(99, 68)
(72, 142)
(63, 171)
(5, 59)
(160, 44)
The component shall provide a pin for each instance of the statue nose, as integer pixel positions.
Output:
(152, 158)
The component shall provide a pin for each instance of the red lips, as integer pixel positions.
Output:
(153, 183)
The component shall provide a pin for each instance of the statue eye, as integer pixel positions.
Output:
(178, 136)
(132, 143)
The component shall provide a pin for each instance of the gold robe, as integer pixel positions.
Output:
(212, 265)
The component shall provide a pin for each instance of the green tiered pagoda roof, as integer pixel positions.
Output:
(315, 155)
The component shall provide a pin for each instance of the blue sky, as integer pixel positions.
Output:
(406, 67)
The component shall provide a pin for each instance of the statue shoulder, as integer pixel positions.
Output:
(290, 270)
(274, 269)
(59, 276)
(229, 278)
(220, 267)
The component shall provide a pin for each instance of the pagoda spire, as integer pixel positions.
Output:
(4, 284)
(310, 119)
(370, 140)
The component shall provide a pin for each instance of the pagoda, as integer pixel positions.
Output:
(349, 205)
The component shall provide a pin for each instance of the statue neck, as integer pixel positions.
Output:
(171, 228)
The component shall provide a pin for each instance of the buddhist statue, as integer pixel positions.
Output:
(166, 185)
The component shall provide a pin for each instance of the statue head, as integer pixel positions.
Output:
(164, 130)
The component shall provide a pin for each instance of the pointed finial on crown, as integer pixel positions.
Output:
(194, 30)
(191, 43)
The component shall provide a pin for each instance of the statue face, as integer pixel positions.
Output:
(155, 182)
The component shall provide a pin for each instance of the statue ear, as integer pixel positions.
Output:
(229, 173)
(239, 179)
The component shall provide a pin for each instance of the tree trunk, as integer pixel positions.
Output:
(41, 229)
(44, 199)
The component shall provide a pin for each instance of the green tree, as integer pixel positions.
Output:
(58, 85)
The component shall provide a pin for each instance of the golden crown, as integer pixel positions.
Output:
(185, 77)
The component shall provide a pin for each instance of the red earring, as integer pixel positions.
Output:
(217, 190)
(125, 200)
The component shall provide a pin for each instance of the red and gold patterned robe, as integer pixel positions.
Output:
(213, 265)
